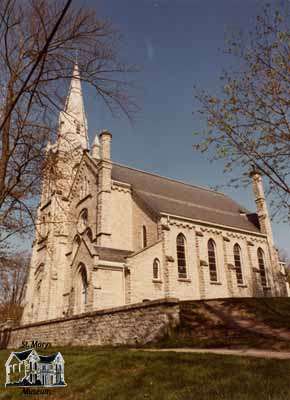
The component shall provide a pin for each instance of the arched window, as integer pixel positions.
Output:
(156, 269)
(261, 262)
(84, 285)
(81, 289)
(181, 256)
(238, 264)
(144, 236)
(211, 249)
(83, 220)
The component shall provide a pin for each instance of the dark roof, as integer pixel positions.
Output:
(182, 199)
(48, 359)
(108, 254)
(22, 355)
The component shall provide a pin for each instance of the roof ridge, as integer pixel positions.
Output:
(170, 179)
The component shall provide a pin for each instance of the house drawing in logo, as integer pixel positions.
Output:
(27, 368)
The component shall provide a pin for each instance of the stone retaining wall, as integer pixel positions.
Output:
(139, 323)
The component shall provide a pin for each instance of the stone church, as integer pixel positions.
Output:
(109, 235)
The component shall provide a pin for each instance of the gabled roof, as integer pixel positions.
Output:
(165, 195)
(48, 359)
(22, 355)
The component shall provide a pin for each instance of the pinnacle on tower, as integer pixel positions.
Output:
(73, 122)
(96, 148)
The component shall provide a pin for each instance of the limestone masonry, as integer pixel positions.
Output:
(136, 324)
(109, 235)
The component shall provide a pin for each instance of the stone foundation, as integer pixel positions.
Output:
(133, 324)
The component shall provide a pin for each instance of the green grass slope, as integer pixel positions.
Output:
(93, 373)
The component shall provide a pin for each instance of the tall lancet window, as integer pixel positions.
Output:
(181, 256)
(84, 286)
(261, 262)
(211, 249)
(81, 289)
(238, 264)
(156, 269)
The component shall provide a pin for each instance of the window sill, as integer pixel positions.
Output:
(156, 280)
(184, 279)
(215, 283)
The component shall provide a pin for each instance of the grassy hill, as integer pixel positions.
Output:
(233, 323)
(122, 374)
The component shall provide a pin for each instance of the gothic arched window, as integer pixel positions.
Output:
(238, 264)
(211, 249)
(156, 269)
(261, 262)
(144, 236)
(81, 289)
(181, 255)
(83, 220)
(84, 285)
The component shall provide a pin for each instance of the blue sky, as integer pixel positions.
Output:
(177, 44)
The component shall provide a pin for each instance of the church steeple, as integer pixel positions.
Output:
(72, 121)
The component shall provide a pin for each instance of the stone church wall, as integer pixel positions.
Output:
(121, 215)
(143, 286)
(128, 325)
(183, 288)
(142, 215)
(197, 285)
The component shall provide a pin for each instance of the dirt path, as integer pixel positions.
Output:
(282, 355)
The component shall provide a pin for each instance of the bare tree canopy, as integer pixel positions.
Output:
(13, 272)
(249, 122)
(35, 68)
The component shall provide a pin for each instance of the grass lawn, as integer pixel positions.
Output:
(98, 374)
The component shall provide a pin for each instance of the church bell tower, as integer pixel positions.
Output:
(48, 266)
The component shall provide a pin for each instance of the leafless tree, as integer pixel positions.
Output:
(13, 272)
(36, 67)
(248, 124)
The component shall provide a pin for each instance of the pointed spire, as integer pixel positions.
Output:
(75, 98)
(73, 121)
